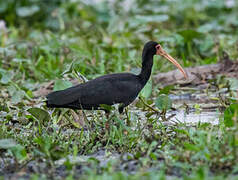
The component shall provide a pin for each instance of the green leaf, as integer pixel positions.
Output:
(7, 143)
(19, 152)
(6, 76)
(207, 44)
(152, 18)
(40, 62)
(146, 91)
(153, 156)
(163, 102)
(69, 68)
(61, 84)
(206, 28)
(17, 97)
(201, 173)
(27, 11)
(231, 115)
(191, 147)
(16, 94)
(106, 107)
(182, 131)
(166, 89)
(233, 82)
(39, 114)
(189, 35)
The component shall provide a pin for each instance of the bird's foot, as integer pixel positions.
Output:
(128, 121)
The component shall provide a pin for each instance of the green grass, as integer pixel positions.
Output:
(43, 44)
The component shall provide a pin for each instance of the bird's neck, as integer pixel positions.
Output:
(147, 63)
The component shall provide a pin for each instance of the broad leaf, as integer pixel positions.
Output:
(7, 143)
(27, 11)
(17, 97)
(163, 102)
(189, 35)
(146, 91)
(5, 76)
(61, 84)
(166, 89)
(39, 114)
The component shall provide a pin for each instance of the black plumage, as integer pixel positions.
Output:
(109, 89)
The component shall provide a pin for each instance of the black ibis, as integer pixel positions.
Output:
(110, 89)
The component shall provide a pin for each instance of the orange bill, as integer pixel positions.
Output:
(161, 52)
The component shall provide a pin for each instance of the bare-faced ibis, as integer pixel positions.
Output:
(110, 89)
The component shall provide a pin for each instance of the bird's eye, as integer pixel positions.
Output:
(158, 47)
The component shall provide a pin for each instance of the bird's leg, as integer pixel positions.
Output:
(107, 124)
(121, 108)
(128, 122)
(107, 113)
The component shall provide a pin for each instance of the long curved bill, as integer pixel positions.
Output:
(161, 52)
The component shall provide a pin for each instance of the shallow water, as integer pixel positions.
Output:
(206, 112)
(194, 117)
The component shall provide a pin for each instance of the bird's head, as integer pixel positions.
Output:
(154, 48)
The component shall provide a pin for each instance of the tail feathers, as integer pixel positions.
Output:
(71, 105)
(67, 99)
(64, 99)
